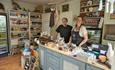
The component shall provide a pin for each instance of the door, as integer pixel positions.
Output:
(3, 35)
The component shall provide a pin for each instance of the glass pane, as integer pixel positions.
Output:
(2, 23)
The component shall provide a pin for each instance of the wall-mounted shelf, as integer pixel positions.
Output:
(36, 25)
(91, 12)
(90, 6)
(19, 26)
(22, 25)
(92, 18)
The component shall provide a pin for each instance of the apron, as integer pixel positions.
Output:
(76, 38)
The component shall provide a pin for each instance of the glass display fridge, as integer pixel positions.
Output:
(94, 35)
(3, 35)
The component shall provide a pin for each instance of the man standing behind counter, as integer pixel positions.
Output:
(64, 30)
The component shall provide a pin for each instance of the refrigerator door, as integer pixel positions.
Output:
(3, 35)
(94, 36)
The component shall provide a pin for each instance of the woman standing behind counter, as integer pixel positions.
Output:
(79, 35)
(64, 30)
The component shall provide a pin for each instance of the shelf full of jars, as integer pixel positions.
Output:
(35, 25)
(93, 18)
(19, 27)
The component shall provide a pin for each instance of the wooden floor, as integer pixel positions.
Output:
(10, 63)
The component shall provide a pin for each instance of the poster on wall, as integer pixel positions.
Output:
(65, 8)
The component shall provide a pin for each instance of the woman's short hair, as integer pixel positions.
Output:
(65, 19)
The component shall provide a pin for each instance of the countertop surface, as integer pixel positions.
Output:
(67, 53)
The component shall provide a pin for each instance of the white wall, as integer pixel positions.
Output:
(30, 6)
(74, 9)
(7, 4)
(107, 19)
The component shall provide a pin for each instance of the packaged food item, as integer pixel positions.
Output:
(102, 58)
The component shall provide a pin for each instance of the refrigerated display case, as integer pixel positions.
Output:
(94, 27)
(94, 35)
(3, 34)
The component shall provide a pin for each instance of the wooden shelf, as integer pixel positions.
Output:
(109, 40)
(33, 31)
(95, 5)
(36, 24)
(18, 18)
(2, 38)
(24, 37)
(19, 26)
(88, 12)
(91, 12)
(92, 16)
(19, 31)
(36, 36)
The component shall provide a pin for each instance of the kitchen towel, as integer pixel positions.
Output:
(52, 19)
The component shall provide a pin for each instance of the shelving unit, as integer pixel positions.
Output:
(19, 27)
(36, 25)
(89, 8)
(92, 17)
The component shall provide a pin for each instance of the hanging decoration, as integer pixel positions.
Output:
(52, 18)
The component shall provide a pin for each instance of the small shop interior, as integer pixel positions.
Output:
(57, 34)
